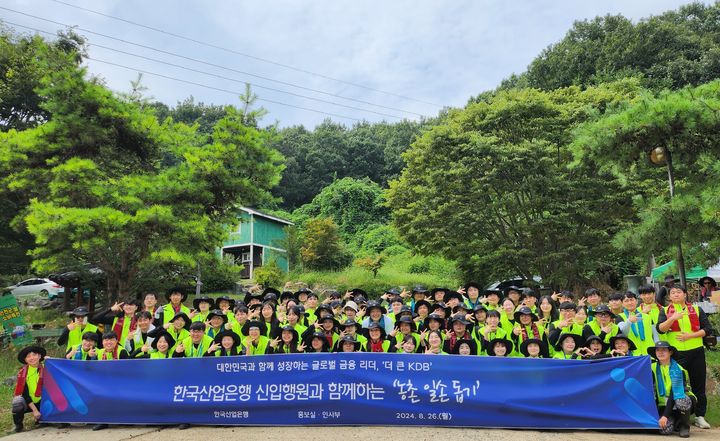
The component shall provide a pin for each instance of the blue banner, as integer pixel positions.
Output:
(354, 389)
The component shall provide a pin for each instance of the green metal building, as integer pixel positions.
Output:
(257, 240)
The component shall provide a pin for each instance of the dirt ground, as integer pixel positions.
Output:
(137, 433)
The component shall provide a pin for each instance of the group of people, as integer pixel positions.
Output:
(469, 321)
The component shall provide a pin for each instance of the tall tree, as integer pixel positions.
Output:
(491, 188)
(105, 196)
(685, 126)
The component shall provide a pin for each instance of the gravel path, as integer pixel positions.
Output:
(365, 433)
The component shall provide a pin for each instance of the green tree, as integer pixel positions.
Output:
(686, 124)
(353, 204)
(492, 190)
(323, 248)
(105, 196)
(670, 50)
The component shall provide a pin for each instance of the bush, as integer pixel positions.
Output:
(395, 250)
(220, 277)
(419, 267)
(376, 238)
(268, 275)
(323, 248)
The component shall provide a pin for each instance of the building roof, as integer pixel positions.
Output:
(255, 212)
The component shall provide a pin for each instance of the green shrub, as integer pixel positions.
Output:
(269, 275)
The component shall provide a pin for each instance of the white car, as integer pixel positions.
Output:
(34, 287)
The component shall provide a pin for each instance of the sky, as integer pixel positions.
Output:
(339, 59)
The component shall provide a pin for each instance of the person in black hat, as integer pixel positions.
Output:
(85, 350)
(217, 321)
(302, 294)
(526, 327)
(377, 339)
(120, 318)
(674, 397)
(256, 342)
(403, 327)
(202, 305)
(318, 343)
(253, 298)
(684, 326)
(438, 294)
(434, 322)
(376, 313)
(348, 344)
(228, 344)
(513, 293)
(419, 293)
(287, 343)
(177, 327)
(225, 304)
(471, 291)
(479, 315)
(534, 348)
(327, 325)
(707, 286)
(500, 347)
(353, 329)
(594, 348)
(493, 298)
(441, 309)
(567, 346)
(165, 313)
(466, 347)
(72, 333)
(460, 329)
(622, 346)
(603, 326)
(452, 299)
(28, 388)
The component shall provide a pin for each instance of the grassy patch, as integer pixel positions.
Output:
(402, 270)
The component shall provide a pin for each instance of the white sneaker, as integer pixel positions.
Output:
(701, 423)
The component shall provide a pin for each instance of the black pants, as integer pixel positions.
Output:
(681, 419)
(20, 416)
(694, 362)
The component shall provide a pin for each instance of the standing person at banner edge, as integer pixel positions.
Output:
(28, 387)
(684, 325)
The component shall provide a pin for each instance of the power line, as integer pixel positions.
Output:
(264, 60)
(213, 65)
(220, 89)
(218, 76)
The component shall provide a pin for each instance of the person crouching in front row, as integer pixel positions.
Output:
(674, 398)
(29, 385)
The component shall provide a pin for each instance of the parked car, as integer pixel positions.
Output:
(35, 287)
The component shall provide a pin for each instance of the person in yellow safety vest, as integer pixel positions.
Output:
(28, 388)
(177, 327)
(111, 350)
(622, 346)
(202, 305)
(675, 400)
(218, 322)
(256, 342)
(647, 302)
(287, 342)
(564, 325)
(603, 326)
(197, 344)
(73, 332)
(160, 348)
(229, 344)
(85, 350)
(685, 326)
(377, 340)
(121, 318)
(166, 313)
(636, 323)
